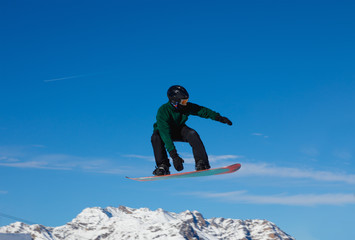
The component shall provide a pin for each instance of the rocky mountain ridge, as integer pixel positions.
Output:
(113, 223)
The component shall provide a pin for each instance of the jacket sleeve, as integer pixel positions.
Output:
(203, 112)
(164, 129)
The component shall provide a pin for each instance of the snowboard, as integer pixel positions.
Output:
(201, 173)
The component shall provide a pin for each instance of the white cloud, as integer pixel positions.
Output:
(22, 157)
(51, 161)
(260, 135)
(310, 151)
(257, 134)
(262, 169)
(12, 151)
(279, 199)
(342, 154)
(38, 146)
(149, 158)
(268, 170)
(25, 159)
(188, 158)
(32, 164)
(215, 158)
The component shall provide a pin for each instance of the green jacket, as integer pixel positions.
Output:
(170, 120)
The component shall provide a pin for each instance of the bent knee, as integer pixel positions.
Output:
(192, 134)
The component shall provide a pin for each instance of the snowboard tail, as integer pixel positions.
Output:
(202, 173)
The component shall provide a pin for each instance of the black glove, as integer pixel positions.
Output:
(177, 160)
(221, 119)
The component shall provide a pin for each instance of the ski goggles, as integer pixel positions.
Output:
(184, 101)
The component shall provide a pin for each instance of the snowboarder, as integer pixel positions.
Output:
(170, 126)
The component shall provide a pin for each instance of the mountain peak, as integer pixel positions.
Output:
(129, 223)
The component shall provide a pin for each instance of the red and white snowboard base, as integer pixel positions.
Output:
(209, 172)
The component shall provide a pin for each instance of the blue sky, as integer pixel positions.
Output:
(81, 83)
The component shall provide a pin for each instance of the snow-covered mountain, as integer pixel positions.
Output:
(128, 223)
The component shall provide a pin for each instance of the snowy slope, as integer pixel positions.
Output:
(128, 223)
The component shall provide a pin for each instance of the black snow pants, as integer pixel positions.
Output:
(185, 134)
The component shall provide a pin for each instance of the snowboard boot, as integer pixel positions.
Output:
(202, 165)
(161, 170)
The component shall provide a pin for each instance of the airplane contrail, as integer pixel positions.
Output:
(63, 78)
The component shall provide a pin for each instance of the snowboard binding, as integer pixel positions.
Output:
(161, 170)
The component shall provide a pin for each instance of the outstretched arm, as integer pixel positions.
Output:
(204, 112)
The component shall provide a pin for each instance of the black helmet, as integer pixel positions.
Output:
(177, 93)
